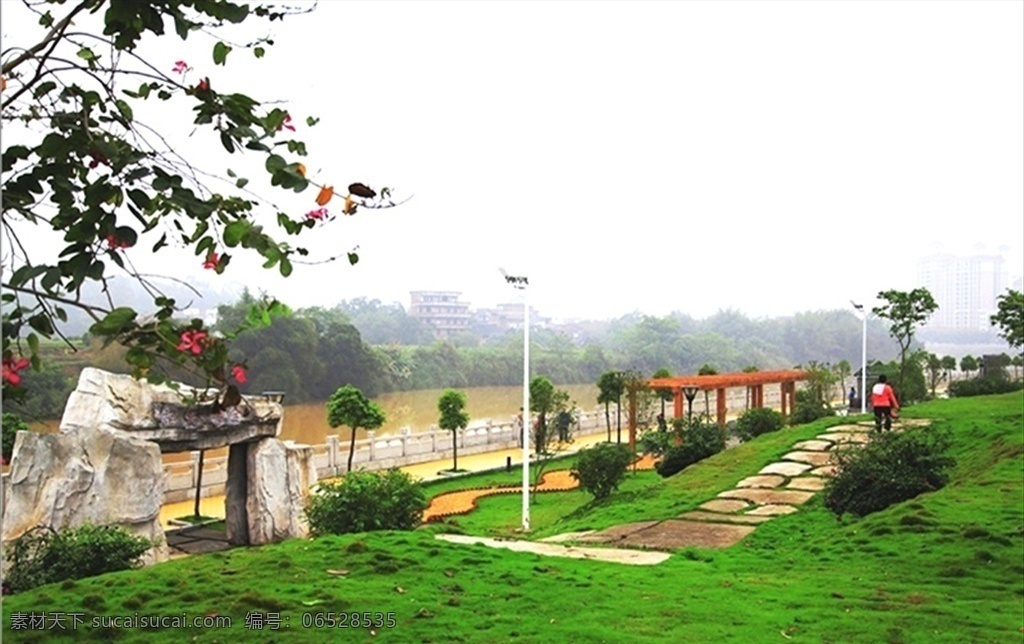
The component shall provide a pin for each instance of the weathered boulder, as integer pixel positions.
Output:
(171, 418)
(268, 491)
(100, 477)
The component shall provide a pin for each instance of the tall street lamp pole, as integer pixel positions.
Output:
(863, 356)
(520, 283)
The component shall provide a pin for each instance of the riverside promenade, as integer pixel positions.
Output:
(213, 506)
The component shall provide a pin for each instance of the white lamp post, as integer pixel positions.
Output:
(863, 356)
(520, 284)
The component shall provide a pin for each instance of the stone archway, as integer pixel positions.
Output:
(104, 466)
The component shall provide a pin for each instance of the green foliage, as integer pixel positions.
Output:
(44, 556)
(365, 501)
(349, 406)
(451, 405)
(1010, 318)
(601, 468)
(983, 387)
(893, 467)
(905, 311)
(12, 424)
(757, 421)
(808, 408)
(697, 440)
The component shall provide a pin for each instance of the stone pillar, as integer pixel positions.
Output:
(332, 451)
(371, 435)
(279, 478)
(236, 493)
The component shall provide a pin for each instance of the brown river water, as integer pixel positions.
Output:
(417, 410)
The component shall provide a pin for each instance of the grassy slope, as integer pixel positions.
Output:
(948, 566)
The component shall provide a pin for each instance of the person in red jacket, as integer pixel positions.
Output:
(883, 401)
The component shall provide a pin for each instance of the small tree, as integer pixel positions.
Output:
(707, 370)
(348, 406)
(601, 468)
(905, 311)
(948, 366)
(968, 364)
(453, 418)
(1010, 318)
(663, 394)
(933, 364)
(842, 370)
(610, 387)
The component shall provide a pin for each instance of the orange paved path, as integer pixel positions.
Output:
(464, 501)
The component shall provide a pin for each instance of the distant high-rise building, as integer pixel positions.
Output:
(965, 288)
(442, 310)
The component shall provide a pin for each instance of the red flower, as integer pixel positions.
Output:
(287, 124)
(203, 85)
(238, 373)
(180, 67)
(212, 261)
(113, 243)
(319, 214)
(11, 367)
(192, 341)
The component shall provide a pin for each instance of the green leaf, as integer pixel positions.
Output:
(124, 109)
(241, 183)
(274, 163)
(258, 52)
(311, 121)
(86, 54)
(353, 258)
(220, 53)
(286, 267)
(235, 231)
(43, 88)
(225, 140)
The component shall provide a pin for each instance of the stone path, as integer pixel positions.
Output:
(777, 489)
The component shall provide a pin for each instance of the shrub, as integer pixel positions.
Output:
(12, 424)
(697, 440)
(893, 467)
(806, 409)
(755, 422)
(983, 387)
(44, 556)
(365, 501)
(601, 468)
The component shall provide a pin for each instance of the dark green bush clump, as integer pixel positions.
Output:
(755, 422)
(698, 440)
(893, 467)
(365, 501)
(983, 387)
(806, 409)
(12, 424)
(601, 468)
(44, 556)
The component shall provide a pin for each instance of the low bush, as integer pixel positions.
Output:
(983, 387)
(44, 556)
(365, 501)
(697, 440)
(601, 468)
(755, 422)
(806, 409)
(893, 467)
(12, 424)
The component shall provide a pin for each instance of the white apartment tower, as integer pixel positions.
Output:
(965, 288)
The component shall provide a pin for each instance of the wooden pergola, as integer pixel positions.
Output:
(755, 381)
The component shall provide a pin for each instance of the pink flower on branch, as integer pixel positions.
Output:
(287, 124)
(239, 374)
(11, 367)
(192, 341)
(113, 243)
(212, 261)
(180, 67)
(318, 215)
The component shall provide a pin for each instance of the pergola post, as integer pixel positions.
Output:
(720, 404)
(677, 402)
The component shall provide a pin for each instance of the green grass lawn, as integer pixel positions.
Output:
(944, 567)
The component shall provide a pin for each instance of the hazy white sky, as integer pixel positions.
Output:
(770, 157)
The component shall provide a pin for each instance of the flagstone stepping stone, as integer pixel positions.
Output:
(785, 469)
(809, 483)
(814, 458)
(768, 497)
(846, 437)
(676, 533)
(814, 445)
(566, 536)
(772, 510)
(616, 533)
(859, 427)
(725, 505)
(767, 480)
(697, 515)
(614, 555)
(827, 471)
